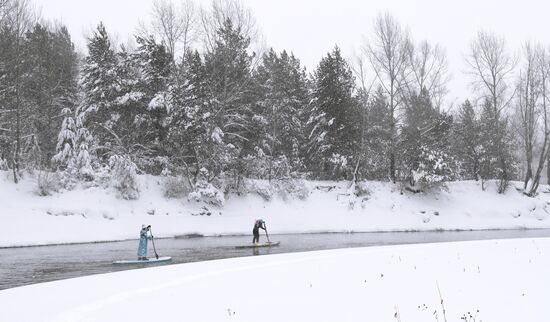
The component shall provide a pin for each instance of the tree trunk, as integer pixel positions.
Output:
(528, 175)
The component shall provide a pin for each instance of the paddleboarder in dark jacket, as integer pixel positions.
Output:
(260, 223)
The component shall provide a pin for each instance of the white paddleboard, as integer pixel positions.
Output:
(268, 244)
(147, 261)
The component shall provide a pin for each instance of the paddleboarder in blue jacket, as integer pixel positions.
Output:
(259, 224)
(144, 235)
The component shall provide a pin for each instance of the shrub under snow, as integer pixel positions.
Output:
(124, 177)
(287, 189)
(206, 192)
(47, 183)
(176, 187)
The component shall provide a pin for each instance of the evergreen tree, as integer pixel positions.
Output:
(496, 149)
(99, 86)
(50, 84)
(195, 141)
(73, 157)
(334, 86)
(191, 118)
(282, 99)
(375, 137)
(424, 143)
(228, 78)
(467, 141)
(154, 62)
(142, 103)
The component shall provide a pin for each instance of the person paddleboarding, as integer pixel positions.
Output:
(258, 224)
(144, 236)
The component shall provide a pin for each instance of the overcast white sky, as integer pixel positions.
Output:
(310, 28)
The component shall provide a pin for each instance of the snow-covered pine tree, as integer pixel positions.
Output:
(83, 157)
(100, 86)
(424, 145)
(195, 142)
(228, 78)
(50, 84)
(155, 62)
(73, 157)
(333, 91)
(282, 100)
(124, 177)
(143, 101)
(466, 141)
(376, 138)
(66, 142)
(189, 115)
(316, 141)
(496, 148)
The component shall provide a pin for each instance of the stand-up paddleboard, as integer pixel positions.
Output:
(146, 261)
(268, 244)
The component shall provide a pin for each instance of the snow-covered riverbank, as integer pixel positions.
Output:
(95, 214)
(491, 280)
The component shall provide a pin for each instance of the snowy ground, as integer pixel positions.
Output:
(503, 280)
(97, 215)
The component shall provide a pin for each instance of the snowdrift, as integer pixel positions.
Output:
(468, 281)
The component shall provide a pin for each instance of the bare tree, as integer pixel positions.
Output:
(175, 25)
(388, 53)
(359, 66)
(529, 94)
(213, 18)
(491, 66)
(543, 69)
(18, 19)
(5, 6)
(429, 70)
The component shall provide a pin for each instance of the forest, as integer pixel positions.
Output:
(198, 97)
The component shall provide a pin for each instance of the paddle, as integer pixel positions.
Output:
(266, 234)
(153, 242)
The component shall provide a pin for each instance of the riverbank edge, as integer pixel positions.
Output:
(195, 236)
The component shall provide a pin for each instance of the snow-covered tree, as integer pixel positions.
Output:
(99, 85)
(73, 150)
(424, 144)
(124, 177)
(491, 66)
(50, 85)
(333, 89)
(376, 138)
(389, 54)
(278, 115)
(144, 102)
(466, 141)
(66, 143)
(17, 137)
(496, 148)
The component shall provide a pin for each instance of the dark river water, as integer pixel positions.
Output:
(29, 265)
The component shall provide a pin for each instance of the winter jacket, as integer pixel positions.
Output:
(143, 237)
(257, 225)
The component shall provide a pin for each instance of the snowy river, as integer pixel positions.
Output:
(29, 265)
